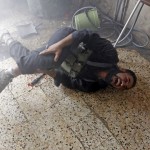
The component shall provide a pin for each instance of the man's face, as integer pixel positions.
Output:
(122, 81)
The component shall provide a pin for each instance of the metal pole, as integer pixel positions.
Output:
(132, 13)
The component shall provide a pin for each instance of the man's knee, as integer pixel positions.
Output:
(59, 35)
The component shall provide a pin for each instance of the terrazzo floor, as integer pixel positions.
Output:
(46, 117)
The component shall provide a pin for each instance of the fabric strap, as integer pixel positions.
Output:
(101, 65)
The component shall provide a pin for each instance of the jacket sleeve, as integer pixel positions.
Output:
(81, 36)
(78, 83)
(102, 48)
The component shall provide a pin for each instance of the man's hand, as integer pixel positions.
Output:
(55, 48)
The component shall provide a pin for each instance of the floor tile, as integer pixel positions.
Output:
(122, 116)
(72, 109)
(35, 102)
(52, 129)
(91, 131)
(112, 144)
(52, 91)
(11, 109)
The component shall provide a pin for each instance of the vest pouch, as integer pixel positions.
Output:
(74, 63)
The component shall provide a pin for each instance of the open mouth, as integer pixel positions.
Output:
(117, 81)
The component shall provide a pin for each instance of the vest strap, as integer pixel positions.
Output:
(101, 65)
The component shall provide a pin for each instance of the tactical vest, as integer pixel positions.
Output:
(78, 58)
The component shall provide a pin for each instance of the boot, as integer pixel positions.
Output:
(5, 79)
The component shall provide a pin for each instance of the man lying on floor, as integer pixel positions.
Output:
(79, 60)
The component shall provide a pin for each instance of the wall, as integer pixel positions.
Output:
(143, 22)
(49, 8)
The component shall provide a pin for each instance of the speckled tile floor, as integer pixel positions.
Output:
(46, 117)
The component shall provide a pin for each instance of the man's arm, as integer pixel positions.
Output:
(73, 39)
(77, 83)
(57, 47)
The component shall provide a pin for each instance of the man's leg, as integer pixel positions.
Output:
(29, 62)
(6, 76)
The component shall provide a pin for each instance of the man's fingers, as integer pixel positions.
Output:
(56, 57)
(48, 51)
(44, 52)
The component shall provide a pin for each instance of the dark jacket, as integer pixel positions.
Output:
(103, 52)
